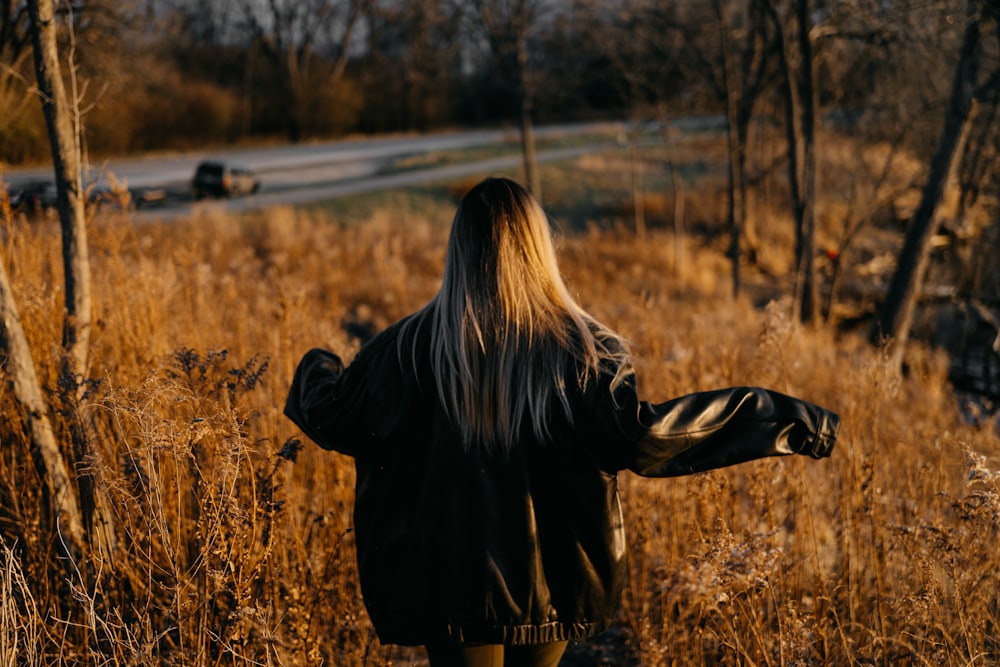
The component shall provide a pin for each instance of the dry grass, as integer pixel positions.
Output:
(234, 543)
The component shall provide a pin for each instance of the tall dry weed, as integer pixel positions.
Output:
(230, 542)
(21, 625)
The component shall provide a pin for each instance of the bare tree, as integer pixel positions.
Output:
(506, 25)
(19, 368)
(308, 42)
(63, 115)
(76, 332)
(793, 25)
(744, 44)
(969, 88)
(642, 43)
(729, 51)
(411, 63)
(63, 122)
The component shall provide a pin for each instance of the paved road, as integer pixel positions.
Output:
(368, 183)
(304, 173)
(312, 172)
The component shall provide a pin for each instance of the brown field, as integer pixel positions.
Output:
(226, 541)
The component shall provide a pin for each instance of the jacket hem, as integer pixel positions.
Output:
(500, 634)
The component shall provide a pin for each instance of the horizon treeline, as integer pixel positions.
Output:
(174, 74)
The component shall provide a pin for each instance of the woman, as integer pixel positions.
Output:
(487, 430)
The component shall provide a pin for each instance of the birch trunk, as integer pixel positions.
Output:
(64, 135)
(20, 371)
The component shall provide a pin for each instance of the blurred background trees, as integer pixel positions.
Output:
(791, 81)
(179, 73)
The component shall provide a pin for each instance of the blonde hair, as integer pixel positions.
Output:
(504, 327)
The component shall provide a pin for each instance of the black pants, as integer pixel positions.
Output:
(495, 655)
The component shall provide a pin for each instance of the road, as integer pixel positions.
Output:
(310, 172)
(306, 173)
(371, 182)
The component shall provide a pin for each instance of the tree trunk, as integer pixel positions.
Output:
(807, 188)
(506, 24)
(636, 181)
(531, 176)
(907, 281)
(734, 173)
(800, 103)
(19, 369)
(63, 135)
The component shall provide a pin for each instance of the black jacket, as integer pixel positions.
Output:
(526, 546)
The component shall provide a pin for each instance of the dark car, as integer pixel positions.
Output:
(33, 197)
(223, 179)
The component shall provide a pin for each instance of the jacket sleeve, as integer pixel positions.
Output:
(720, 428)
(325, 400)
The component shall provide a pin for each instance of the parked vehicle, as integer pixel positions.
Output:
(223, 179)
(33, 197)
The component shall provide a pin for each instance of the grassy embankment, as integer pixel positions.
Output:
(234, 542)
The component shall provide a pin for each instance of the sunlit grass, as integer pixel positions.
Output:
(234, 542)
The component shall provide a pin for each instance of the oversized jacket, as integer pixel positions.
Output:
(526, 546)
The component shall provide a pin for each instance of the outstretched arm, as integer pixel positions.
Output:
(719, 428)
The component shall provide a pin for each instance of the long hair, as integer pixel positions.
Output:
(504, 327)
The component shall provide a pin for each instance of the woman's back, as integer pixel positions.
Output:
(508, 545)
